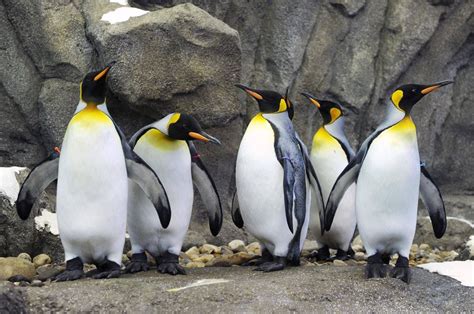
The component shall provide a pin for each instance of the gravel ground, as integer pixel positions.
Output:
(301, 289)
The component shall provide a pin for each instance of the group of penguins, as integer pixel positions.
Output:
(107, 185)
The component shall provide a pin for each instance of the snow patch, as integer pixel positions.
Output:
(9, 185)
(202, 282)
(47, 221)
(462, 271)
(121, 2)
(122, 14)
(470, 245)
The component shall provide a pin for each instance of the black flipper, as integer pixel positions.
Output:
(142, 174)
(314, 182)
(38, 179)
(346, 178)
(288, 153)
(431, 197)
(235, 211)
(207, 189)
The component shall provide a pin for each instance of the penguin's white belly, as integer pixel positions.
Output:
(328, 164)
(171, 160)
(92, 190)
(387, 193)
(259, 179)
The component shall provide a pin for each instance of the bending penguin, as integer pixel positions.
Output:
(387, 170)
(273, 198)
(330, 154)
(167, 146)
(92, 187)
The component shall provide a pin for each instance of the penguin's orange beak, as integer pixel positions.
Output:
(250, 91)
(104, 71)
(312, 99)
(435, 86)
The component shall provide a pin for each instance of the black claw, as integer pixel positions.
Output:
(278, 263)
(106, 270)
(171, 268)
(138, 263)
(257, 261)
(342, 255)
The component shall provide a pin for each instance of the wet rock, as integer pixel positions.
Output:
(237, 245)
(11, 266)
(25, 256)
(42, 259)
(48, 271)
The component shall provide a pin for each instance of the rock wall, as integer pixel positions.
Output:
(178, 56)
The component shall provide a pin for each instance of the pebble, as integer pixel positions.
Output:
(125, 259)
(25, 256)
(204, 258)
(209, 249)
(338, 262)
(192, 253)
(254, 248)
(42, 259)
(225, 250)
(37, 283)
(424, 247)
(359, 256)
(237, 245)
(195, 265)
(11, 266)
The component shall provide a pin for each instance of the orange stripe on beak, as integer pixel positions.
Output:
(254, 94)
(315, 102)
(429, 89)
(198, 136)
(102, 73)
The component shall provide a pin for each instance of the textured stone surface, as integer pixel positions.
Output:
(12, 266)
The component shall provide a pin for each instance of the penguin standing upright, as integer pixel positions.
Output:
(387, 171)
(272, 194)
(92, 185)
(330, 154)
(166, 145)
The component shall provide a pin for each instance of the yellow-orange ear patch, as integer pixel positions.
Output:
(283, 106)
(335, 113)
(396, 97)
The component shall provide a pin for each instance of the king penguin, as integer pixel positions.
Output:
(273, 197)
(387, 170)
(167, 146)
(92, 189)
(330, 154)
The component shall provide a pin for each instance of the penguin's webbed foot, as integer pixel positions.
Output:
(69, 275)
(342, 255)
(168, 263)
(74, 270)
(138, 263)
(401, 270)
(107, 270)
(375, 267)
(322, 254)
(278, 263)
(259, 260)
(171, 268)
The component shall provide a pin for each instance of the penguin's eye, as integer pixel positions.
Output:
(413, 90)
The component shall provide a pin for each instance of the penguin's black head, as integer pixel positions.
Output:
(185, 127)
(268, 101)
(406, 96)
(330, 111)
(94, 87)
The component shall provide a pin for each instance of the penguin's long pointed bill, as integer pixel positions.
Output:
(204, 137)
(104, 71)
(435, 86)
(312, 99)
(250, 91)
